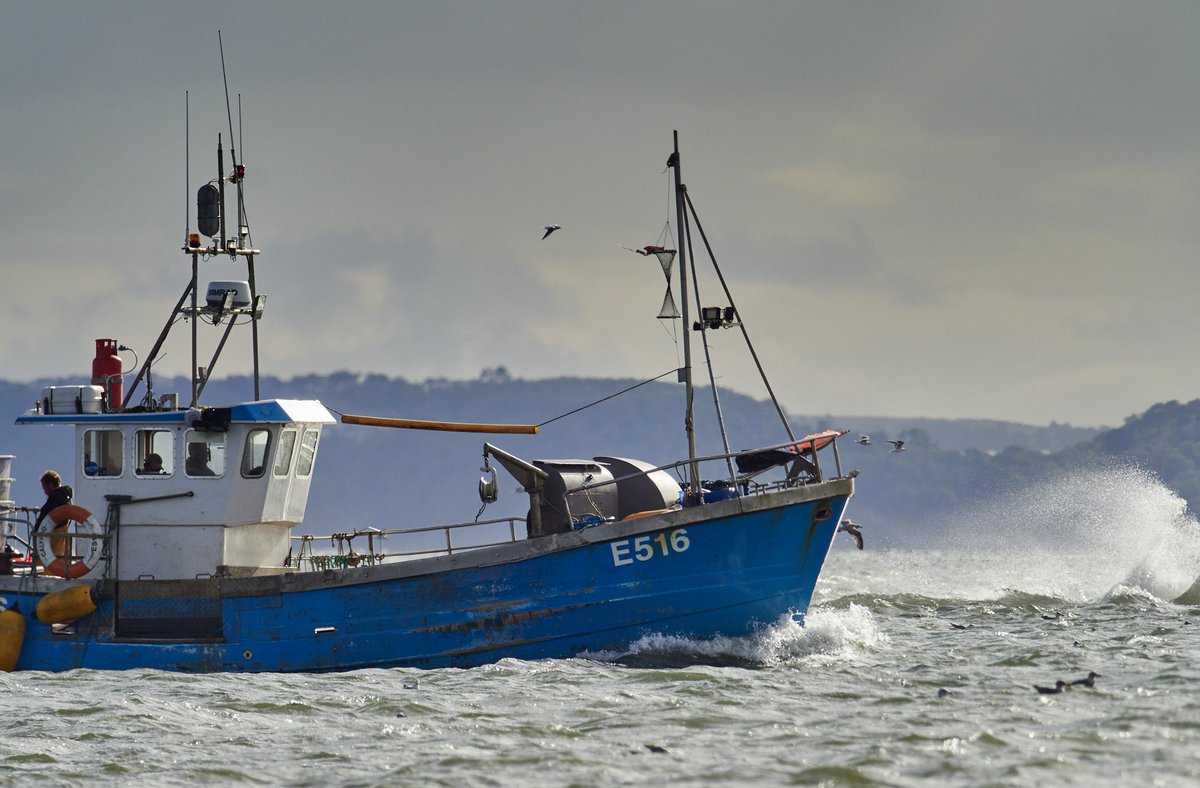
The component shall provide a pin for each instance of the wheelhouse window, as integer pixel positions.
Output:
(154, 453)
(308, 453)
(254, 455)
(283, 456)
(205, 454)
(103, 453)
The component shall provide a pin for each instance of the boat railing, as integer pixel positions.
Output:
(745, 483)
(372, 546)
(401, 544)
(13, 522)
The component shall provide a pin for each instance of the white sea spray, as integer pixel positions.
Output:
(1075, 537)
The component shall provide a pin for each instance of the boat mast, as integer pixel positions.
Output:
(198, 380)
(689, 421)
(211, 222)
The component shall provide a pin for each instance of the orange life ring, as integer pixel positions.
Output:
(51, 543)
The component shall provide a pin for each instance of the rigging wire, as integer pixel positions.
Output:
(582, 407)
(712, 380)
(664, 239)
(741, 323)
(610, 396)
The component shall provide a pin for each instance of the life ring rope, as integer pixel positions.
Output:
(52, 542)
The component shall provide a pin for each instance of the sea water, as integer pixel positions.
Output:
(915, 666)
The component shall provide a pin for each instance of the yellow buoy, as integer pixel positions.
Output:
(12, 637)
(66, 604)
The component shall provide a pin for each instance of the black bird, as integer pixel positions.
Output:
(852, 528)
(549, 229)
(943, 693)
(1089, 680)
(656, 748)
(1058, 687)
(898, 445)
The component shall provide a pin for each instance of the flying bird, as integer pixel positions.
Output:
(1089, 680)
(1058, 687)
(897, 446)
(864, 440)
(852, 528)
(549, 229)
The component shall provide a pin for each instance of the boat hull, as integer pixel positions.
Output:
(721, 569)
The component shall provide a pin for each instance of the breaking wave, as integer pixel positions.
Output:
(1078, 538)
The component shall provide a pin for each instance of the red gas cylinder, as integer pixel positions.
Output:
(106, 372)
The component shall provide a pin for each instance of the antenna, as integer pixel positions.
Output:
(228, 114)
(243, 222)
(211, 221)
(187, 171)
(237, 173)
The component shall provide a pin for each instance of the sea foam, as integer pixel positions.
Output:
(1083, 535)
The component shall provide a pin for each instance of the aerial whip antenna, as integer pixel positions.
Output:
(236, 176)
(228, 113)
(187, 170)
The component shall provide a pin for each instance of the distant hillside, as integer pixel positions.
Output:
(970, 434)
(392, 478)
(1164, 439)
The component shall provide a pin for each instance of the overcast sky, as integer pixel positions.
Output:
(944, 209)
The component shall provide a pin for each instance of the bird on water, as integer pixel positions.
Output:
(1058, 687)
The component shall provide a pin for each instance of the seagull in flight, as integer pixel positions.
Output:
(852, 528)
(897, 445)
(864, 440)
(549, 229)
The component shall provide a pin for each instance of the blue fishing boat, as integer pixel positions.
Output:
(180, 551)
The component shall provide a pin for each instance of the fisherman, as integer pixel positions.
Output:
(197, 460)
(153, 464)
(57, 494)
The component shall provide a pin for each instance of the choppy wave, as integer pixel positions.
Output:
(826, 633)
